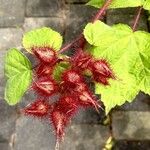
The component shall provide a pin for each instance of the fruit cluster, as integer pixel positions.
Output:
(72, 89)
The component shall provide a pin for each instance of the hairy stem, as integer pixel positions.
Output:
(67, 46)
(137, 19)
(81, 37)
(102, 10)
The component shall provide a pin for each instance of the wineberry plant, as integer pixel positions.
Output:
(116, 58)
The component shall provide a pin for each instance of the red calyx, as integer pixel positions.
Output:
(100, 78)
(59, 121)
(102, 67)
(70, 79)
(62, 113)
(39, 108)
(87, 99)
(81, 60)
(101, 71)
(45, 86)
(44, 70)
(68, 105)
(73, 84)
(72, 76)
(80, 87)
(45, 54)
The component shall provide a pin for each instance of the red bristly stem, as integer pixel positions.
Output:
(67, 46)
(137, 18)
(102, 10)
(96, 17)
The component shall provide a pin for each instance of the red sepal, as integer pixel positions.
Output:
(87, 99)
(39, 108)
(100, 78)
(81, 60)
(72, 76)
(44, 70)
(103, 68)
(45, 86)
(59, 121)
(101, 71)
(68, 105)
(70, 80)
(45, 54)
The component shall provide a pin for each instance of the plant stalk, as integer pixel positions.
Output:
(67, 46)
(137, 19)
(102, 10)
(81, 37)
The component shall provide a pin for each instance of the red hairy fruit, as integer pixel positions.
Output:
(88, 99)
(68, 105)
(103, 68)
(81, 60)
(72, 76)
(44, 70)
(45, 86)
(80, 87)
(100, 78)
(101, 71)
(39, 108)
(74, 84)
(62, 113)
(70, 80)
(45, 54)
(59, 121)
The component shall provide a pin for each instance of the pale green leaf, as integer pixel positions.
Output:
(16, 63)
(44, 37)
(146, 5)
(19, 73)
(129, 57)
(92, 34)
(96, 3)
(116, 3)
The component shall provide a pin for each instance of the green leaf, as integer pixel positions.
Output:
(96, 3)
(59, 69)
(19, 73)
(44, 37)
(93, 34)
(128, 54)
(146, 5)
(117, 3)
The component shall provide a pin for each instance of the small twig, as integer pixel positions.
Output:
(100, 13)
(66, 47)
(102, 10)
(137, 19)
